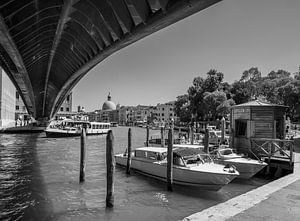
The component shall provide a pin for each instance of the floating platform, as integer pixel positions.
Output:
(23, 129)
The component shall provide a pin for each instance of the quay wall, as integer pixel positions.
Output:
(239, 204)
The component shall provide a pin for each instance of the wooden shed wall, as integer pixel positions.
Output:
(263, 118)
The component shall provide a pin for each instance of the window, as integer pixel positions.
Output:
(24, 108)
(162, 114)
(17, 95)
(67, 109)
(17, 107)
(241, 128)
(61, 109)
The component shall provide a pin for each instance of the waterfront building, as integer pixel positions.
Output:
(7, 101)
(165, 113)
(124, 115)
(66, 106)
(256, 120)
(110, 111)
(21, 114)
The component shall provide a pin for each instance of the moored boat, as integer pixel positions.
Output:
(72, 128)
(191, 167)
(247, 167)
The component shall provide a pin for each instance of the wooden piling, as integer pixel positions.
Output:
(206, 141)
(147, 136)
(291, 153)
(82, 155)
(129, 152)
(110, 168)
(170, 160)
(162, 137)
(192, 134)
(223, 125)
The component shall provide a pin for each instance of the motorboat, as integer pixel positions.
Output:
(72, 128)
(191, 166)
(247, 167)
(215, 137)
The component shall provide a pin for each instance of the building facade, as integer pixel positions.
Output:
(165, 113)
(7, 101)
(66, 106)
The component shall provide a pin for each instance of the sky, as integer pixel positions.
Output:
(231, 37)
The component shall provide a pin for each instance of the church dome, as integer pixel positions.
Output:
(108, 105)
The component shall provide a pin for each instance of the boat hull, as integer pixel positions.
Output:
(246, 167)
(57, 134)
(181, 175)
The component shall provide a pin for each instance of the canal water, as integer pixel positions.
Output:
(39, 180)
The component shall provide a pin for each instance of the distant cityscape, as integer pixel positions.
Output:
(13, 111)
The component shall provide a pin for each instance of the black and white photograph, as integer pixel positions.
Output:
(143, 110)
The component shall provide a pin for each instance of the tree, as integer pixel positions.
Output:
(182, 108)
(212, 82)
(243, 92)
(253, 74)
(216, 104)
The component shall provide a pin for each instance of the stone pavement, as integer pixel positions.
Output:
(278, 200)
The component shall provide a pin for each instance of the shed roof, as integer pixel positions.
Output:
(259, 103)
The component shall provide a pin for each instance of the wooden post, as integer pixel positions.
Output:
(223, 125)
(206, 141)
(110, 169)
(269, 157)
(82, 155)
(192, 134)
(162, 137)
(129, 152)
(147, 136)
(170, 160)
(291, 152)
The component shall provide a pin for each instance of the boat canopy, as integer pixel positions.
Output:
(184, 152)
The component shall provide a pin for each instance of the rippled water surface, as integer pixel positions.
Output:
(39, 180)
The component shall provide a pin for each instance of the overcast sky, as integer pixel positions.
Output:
(231, 36)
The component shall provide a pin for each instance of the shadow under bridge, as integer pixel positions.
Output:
(47, 46)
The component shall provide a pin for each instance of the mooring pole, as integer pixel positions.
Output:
(110, 168)
(82, 155)
(170, 160)
(147, 136)
(206, 141)
(192, 134)
(162, 137)
(129, 152)
(223, 125)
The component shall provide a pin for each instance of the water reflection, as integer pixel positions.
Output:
(40, 181)
(21, 183)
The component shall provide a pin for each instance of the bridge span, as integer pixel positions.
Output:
(47, 46)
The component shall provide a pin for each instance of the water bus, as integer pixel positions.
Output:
(72, 128)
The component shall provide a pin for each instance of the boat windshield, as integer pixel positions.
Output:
(226, 152)
(200, 158)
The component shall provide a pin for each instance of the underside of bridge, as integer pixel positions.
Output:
(47, 46)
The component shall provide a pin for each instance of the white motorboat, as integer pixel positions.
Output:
(247, 167)
(191, 167)
(72, 128)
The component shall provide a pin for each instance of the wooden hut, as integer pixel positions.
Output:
(256, 119)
